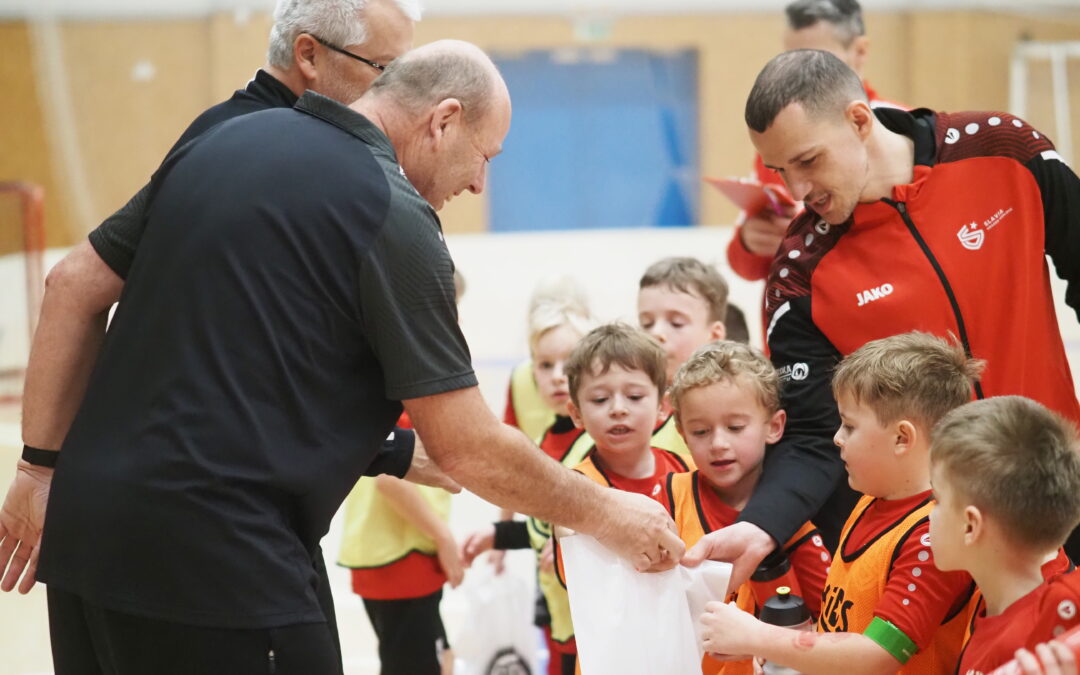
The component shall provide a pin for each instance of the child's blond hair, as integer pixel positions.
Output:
(727, 361)
(547, 317)
(690, 275)
(1015, 460)
(621, 343)
(914, 376)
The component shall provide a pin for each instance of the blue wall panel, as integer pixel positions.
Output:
(598, 139)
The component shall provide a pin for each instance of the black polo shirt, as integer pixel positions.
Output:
(117, 238)
(290, 289)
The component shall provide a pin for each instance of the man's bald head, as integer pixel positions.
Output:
(447, 69)
(446, 111)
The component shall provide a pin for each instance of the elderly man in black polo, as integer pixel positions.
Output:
(292, 287)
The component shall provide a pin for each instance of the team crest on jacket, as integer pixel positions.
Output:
(973, 234)
(971, 237)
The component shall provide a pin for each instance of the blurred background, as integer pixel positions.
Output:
(620, 108)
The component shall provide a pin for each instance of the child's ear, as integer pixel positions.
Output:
(575, 414)
(974, 524)
(717, 331)
(776, 426)
(906, 436)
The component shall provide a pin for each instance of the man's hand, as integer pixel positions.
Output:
(762, 233)
(21, 521)
(640, 530)
(450, 560)
(424, 471)
(743, 544)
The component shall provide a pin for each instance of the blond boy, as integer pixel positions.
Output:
(1006, 475)
(726, 399)
(885, 608)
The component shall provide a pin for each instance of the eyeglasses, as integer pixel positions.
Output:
(374, 64)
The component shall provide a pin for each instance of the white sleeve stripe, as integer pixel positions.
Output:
(1051, 154)
(780, 311)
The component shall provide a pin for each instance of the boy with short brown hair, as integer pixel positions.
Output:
(1006, 474)
(682, 303)
(885, 608)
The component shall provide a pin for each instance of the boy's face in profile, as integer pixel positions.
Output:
(679, 321)
(618, 409)
(865, 446)
(946, 522)
(549, 357)
(726, 429)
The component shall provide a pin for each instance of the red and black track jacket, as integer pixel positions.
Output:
(961, 251)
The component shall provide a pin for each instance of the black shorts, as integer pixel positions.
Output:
(91, 640)
(410, 632)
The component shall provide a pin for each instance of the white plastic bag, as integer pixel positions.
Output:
(497, 635)
(628, 622)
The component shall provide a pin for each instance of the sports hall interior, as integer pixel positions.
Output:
(96, 92)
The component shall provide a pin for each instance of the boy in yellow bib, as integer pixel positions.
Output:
(886, 608)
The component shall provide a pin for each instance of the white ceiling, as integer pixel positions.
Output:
(165, 8)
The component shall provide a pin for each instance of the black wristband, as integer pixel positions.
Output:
(39, 457)
(511, 535)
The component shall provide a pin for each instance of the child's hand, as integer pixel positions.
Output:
(547, 557)
(498, 561)
(725, 629)
(450, 560)
(1050, 658)
(476, 543)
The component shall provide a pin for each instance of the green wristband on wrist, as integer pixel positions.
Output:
(891, 639)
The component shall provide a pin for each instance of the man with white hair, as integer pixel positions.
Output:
(334, 47)
(310, 294)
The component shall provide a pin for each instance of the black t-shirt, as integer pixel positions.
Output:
(290, 289)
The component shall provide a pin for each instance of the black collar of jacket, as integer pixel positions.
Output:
(917, 125)
(267, 88)
(345, 118)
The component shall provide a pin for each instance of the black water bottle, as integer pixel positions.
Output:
(788, 610)
(774, 572)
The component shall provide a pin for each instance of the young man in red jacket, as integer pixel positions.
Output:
(939, 222)
(835, 26)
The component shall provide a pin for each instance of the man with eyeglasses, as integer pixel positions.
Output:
(296, 301)
(310, 48)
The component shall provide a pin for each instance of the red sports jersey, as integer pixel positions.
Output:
(560, 438)
(808, 556)
(917, 595)
(651, 486)
(1043, 614)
